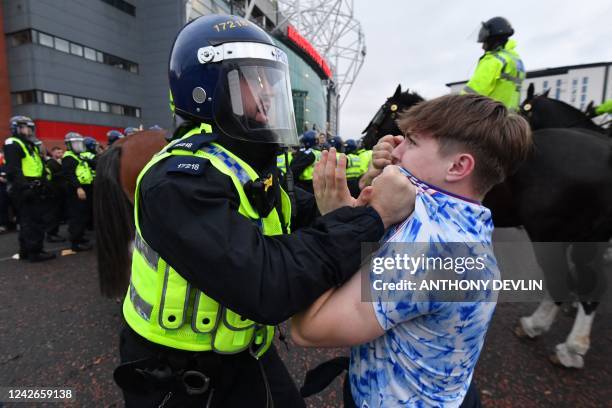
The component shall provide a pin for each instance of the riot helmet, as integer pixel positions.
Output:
(309, 139)
(91, 144)
(336, 142)
(350, 146)
(496, 27)
(15, 125)
(75, 142)
(226, 71)
(130, 130)
(113, 135)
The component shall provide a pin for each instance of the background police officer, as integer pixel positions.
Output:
(213, 271)
(57, 196)
(79, 178)
(26, 185)
(304, 160)
(112, 136)
(500, 71)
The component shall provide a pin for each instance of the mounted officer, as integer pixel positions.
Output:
(500, 71)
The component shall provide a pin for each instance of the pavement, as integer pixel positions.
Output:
(57, 331)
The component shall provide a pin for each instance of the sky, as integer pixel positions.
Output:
(425, 44)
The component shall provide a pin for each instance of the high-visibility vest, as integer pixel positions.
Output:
(280, 161)
(84, 173)
(365, 157)
(309, 171)
(162, 306)
(31, 162)
(499, 75)
(354, 167)
(89, 157)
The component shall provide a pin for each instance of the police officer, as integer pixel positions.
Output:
(79, 177)
(304, 160)
(130, 130)
(605, 107)
(500, 71)
(26, 186)
(112, 136)
(57, 197)
(213, 268)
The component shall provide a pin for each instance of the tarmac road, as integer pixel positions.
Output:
(57, 331)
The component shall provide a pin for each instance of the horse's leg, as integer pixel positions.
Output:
(589, 283)
(552, 260)
(571, 353)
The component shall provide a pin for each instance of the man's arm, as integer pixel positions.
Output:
(13, 155)
(336, 319)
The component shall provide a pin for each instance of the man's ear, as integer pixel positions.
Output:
(461, 167)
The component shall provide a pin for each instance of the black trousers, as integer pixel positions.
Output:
(78, 214)
(55, 210)
(4, 206)
(31, 218)
(236, 378)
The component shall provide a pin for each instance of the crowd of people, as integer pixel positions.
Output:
(40, 188)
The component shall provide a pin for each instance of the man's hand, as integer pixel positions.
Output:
(391, 194)
(81, 194)
(381, 157)
(329, 183)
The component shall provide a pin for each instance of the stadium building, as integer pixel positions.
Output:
(94, 65)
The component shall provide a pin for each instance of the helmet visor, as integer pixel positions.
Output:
(255, 103)
(483, 34)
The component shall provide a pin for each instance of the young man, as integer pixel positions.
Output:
(422, 353)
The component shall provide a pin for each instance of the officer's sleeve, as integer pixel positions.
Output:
(300, 162)
(13, 153)
(194, 224)
(69, 166)
(483, 81)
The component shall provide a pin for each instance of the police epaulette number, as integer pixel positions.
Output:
(194, 143)
(186, 164)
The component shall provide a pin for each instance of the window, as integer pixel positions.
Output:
(585, 80)
(99, 56)
(80, 103)
(133, 68)
(49, 98)
(93, 105)
(66, 101)
(20, 38)
(62, 45)
(545, 85)
(574, 82)
(584, 89)
(46, 40)
(76, 49)
(558, 93)
(117, 109)
(558, 82)
(122, 5)
(21, 98)
(90, 54)
(104, 107)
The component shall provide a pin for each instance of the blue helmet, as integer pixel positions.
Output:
(130, 130)
(155, 127)
(113, 135)
(90, 144)
(336, 142)
(350, 146)
(75, 142)
(309, 139)
(20, 120)
(226, 71)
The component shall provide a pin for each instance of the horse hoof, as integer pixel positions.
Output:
(520, 332)
(555, 360)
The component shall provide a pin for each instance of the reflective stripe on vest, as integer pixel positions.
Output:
(31, 163)
(309, 171)
(280, 161)
(354, 168)
(164, 308)
(83, 171)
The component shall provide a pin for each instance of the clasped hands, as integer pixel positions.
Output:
(391, 194)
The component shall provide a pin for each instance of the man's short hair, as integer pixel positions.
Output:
(55, 148)
(498, 139)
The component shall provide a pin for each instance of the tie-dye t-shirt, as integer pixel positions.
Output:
(427, 355)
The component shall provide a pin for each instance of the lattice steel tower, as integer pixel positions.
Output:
(332, 29)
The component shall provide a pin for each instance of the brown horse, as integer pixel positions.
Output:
(116, 174)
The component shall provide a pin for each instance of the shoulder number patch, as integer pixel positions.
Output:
(186, 164)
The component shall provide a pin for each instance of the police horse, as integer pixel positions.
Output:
(562, 193)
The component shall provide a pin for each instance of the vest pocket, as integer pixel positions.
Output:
(206, 313)
(174, 300)
(234, 321)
